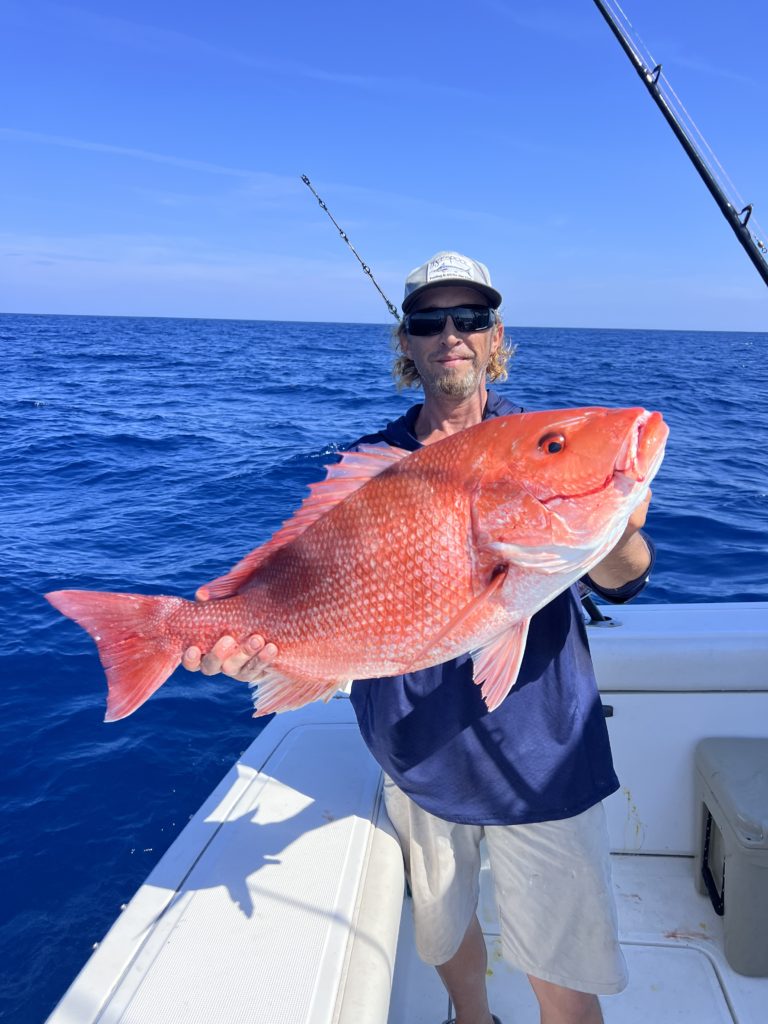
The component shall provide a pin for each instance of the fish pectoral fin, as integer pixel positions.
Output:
(354, 469)
(458, 621)
(497, 664)
(276, 692)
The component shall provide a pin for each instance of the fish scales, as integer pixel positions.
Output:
(349, 578)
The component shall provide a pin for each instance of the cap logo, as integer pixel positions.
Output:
(451, 265)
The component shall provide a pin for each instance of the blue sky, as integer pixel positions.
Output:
(151, 153)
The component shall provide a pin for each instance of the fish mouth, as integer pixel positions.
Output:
(640, 456)
(636, 462)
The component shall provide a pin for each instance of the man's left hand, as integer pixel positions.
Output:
(630, 557)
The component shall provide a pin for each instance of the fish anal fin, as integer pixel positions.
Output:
(343, 478)
(276, 692)
(497, 664)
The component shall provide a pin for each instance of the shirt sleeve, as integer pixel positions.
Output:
(620, 595)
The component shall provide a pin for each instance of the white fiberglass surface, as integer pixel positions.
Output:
(665, 984)
(274, 881)
(671, 938)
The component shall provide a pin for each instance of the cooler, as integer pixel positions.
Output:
(732, 847)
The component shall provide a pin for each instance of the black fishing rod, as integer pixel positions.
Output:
(366, 269)
(650, 77)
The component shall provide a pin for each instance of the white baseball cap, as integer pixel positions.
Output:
(446, 268)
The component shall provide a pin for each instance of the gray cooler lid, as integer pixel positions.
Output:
(736, 770)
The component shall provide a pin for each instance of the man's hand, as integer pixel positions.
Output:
(630, 557)
(247, 662)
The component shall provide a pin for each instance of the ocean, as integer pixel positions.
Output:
(151, 454)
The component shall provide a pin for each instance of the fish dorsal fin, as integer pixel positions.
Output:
(343, 478)
(497, 664)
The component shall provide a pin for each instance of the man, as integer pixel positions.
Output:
(529, 777)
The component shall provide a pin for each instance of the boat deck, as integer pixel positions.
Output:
(281, 902)
(672, 940)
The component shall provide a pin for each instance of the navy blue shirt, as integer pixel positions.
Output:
(543, 754)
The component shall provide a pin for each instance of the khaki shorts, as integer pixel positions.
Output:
(553, 889)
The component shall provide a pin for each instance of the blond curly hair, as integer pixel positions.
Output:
(407, 376)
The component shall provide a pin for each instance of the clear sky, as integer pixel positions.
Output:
(151, 153)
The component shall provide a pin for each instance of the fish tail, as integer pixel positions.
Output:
(137, 653)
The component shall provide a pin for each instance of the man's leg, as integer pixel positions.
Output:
(464, 977)
(558, 913)
(560, 1005)
(442, 862)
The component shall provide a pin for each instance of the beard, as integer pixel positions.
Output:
(452, 386)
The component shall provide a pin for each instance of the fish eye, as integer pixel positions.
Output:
(550, 444)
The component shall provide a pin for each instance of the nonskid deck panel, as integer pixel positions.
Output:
(671, 938)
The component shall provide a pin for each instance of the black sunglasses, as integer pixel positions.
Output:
(466, 319)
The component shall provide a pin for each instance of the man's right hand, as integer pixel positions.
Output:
(247, 662)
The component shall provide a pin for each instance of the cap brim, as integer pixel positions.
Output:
(494, 297)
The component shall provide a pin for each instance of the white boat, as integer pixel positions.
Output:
(283, 900)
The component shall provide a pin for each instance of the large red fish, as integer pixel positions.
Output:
(398, 561)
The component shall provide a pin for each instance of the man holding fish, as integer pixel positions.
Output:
(530, 775)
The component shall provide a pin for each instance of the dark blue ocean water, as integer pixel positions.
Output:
(150, 454)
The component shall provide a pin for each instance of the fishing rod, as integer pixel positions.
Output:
(663, 95)
(390, 306)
